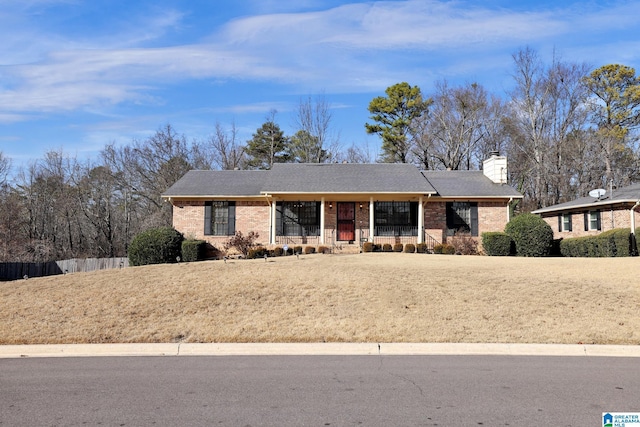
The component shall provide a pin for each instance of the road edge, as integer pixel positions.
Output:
(314, 349)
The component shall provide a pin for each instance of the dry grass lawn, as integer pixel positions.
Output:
(374, 297)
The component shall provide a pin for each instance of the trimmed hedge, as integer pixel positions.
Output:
(496, 243)
(156, 246)
(257, 252)
(398, 247)
(531, 234)
(612, 243)
(443, 248)
(409, 248)
(386, 247)
(368, 247)
(422, 248)
(193, 250)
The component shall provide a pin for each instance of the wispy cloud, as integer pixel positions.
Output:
(352, 47)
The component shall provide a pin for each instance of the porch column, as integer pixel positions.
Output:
(420, 220)
(371, 219)
(322, 220)
(272, 236)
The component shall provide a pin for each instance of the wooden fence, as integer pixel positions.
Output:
(20, 270)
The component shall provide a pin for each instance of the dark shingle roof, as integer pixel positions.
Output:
(346, 178)
(467, 184)
(629, 194)
(200, 183)
(300, 178)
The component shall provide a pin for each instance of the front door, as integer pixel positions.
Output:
(347, 221)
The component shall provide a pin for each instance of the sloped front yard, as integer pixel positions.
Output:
(373, 297)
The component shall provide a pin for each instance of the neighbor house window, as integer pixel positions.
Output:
(462, 217)
(396, 218)
(592, 221)
(219, 218)
(298, 218)
(564, 222)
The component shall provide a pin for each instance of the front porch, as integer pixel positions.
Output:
(385, 235)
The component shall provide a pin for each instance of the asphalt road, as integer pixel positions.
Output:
(317, 390)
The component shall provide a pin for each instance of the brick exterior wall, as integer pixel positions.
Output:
(188, 218)
(618, 218)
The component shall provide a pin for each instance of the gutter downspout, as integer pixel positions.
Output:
(509, 209)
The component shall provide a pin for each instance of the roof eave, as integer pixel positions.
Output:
(584, 205)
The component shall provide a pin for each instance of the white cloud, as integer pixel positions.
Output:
(352, 47)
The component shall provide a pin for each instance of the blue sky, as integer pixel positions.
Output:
(76, 75)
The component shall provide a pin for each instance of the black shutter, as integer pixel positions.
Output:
(598, 220)
(413, 214)
(559, 222)
(473, 207)
(231, 225)
(207, 218)
(586, 221)
(570, 222)
(450, 215)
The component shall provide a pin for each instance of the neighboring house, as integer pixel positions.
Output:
(592, 215)
(342, 205)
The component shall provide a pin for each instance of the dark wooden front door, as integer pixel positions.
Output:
(346, 221)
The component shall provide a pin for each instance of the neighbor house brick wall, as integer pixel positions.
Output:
(618, 218)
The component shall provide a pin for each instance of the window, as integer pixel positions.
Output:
(219, 218)
(396, 218)
(298, 218)
(564, 222)
(462, 217)
(592, 221)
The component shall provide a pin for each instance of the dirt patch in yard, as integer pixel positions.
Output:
(373, 297)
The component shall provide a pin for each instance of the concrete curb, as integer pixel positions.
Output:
(315, 349)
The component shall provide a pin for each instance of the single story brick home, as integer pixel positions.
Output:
(617, 208)
(342, 205)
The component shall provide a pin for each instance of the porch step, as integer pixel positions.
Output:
(346, 248)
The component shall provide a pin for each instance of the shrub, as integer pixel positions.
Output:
(324, 250)
(193, 250)
(367, 247)
(496, 243)
(309, 250)
(612, 243)
(464, 244)
(387, 247)
(257, 252)
(377, 247)
(437, 248)
(156, 246)
(422, 248)
(298, 249)
(448, 249)
(278, 251)
(409, 248)
(242, 243)
(398, 247)
(531, 234)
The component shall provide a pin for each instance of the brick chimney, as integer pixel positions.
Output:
(495, 168)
